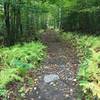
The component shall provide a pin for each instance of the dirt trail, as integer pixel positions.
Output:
(57, 78)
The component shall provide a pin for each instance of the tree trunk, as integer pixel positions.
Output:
(7, 23)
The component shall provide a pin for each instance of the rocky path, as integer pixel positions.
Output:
(57, 78)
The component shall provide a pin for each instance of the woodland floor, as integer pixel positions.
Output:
(57, 77)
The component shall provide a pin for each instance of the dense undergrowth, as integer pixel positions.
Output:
(88, 47)
(16, 61)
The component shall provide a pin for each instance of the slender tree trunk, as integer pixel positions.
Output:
(59, 25)
(7, 22)
(19, 29)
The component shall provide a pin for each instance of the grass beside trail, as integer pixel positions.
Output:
(16, 61)
(88, 48)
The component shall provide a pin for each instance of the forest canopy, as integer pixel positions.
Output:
(19, 18)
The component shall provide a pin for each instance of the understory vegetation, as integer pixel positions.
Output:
(88, 49)
(17, 60)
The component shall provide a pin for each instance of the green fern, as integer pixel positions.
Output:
(89, 71)
(8, 75)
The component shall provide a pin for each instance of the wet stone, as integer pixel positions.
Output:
(62, 66)
(50, 78)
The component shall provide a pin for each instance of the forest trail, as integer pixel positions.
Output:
(57, 78)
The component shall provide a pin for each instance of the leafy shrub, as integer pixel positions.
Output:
(17, 60)
(7, 75)
(67, 36)
(22, 56)
(89, 74)
(89, 71)
(3, 92)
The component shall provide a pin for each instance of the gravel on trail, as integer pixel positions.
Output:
(57, 77)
